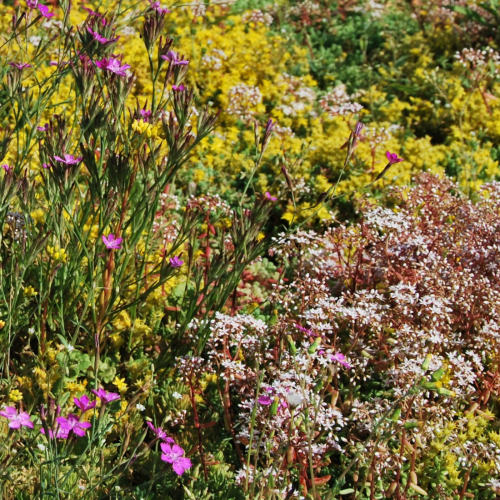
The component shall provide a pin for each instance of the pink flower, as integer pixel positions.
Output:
(340, 358)
(44, 10)
(7, 168)
(106, 397)
(72, 423)
(55, 63)
(158, 7)
(114, 65)
(69, 159)
(111, 242)
(176, 262)
(45, 165)
(83, 403)
(98, 38)
(265, 400)
(44, 128)
(20, 66)
(393, 158)
(160, 433)
(174, 59)
(32, 4)
(92, 13)
(269, 197)
(146, 114)
(16, 419)
(174, 455)
(178, 88)
(306, 331)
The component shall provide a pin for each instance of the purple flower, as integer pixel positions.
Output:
(157, 6)
(160, 433)
(269, 197)
(7, 168)
(16, 419)
(20, 66)
(111, 242)
(45, 165)
(83, 403)
(32, 4)
(340, 358)
(174, 455)
(146, 114)
(72, 423)
(178, 88)
(114, 65)
(92, 13)
(44, 10)
(265, 400)
(44, 128)
(176, 262)
(393, 158)
(105, 397)
(174, 59)
(69, 159)
(98, 38)
(306, 331)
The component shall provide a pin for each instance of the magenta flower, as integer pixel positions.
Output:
(7, 168)
(72, 423)
(393, 158)
(44, 10)
(20, 66)
(32, 4)
(265, 400)
(340, 358)
(174, 59)
(160, 433)
(175, 455)
(16, 419)
(306, 331)
(84, 404)
(178, 88)
(98, 38)
(92, 13)
(176, 262)
(111, 242)
(158, 7)
(269, 197)
(106, 397)
(146, 114)
(113, 65)
(69, 159)
(45, 165)
(44, 128)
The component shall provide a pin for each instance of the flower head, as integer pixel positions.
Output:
(84, 404)
(92, 13)
(393, 158)
(32, 4)
(158, 7)
(106, 397)
(44, 10)
(69, 159)
(175, 455)
(269, 197)
(111, 242)
(99, 38)
(16, 419)
(44, 128)
(174, 59)
(178, 88)
(340, 358)
(72, 424)
(7, 168)
(160, 433)
(20, 66)
(176, 262)
(113, 65)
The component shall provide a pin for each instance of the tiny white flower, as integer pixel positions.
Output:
(41, 446)
(70, 348)
(31, 330)
(140, 407)
(176, 395)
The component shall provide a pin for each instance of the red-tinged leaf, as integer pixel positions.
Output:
(318, 481)
(208, 425)
(211, 229)
(204, 235)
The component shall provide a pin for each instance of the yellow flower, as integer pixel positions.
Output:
(15, 395)
(2, 324)
(38, 216)
(56, 253)
(120, 383)
(29, 291)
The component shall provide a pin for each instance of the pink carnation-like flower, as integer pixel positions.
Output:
(340, 358)
(32, 4)
(16, 419)
(175, 455)
(160, 433)
(269, 197)
(393, 158)
(92, 13)
(174, 59)
(106, 397)
(72, 424)
(20, 66)
(113, 65)
(111, 242)
(7, 168)
(84, 404)
(99, 38)
(69, 159)
(44, 128)
(176, 262)
(158, 7)
(178, 88)
(44, 10)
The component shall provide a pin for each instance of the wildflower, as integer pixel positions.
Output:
(113, 65)
(120, 383)
(269, 197)
(176, 262)
(178, 88)
(44, 10)
(340, 358)
(99, 38)
(111, 242)
(72, 423)
(158, 7)
(140, 407)
(7, 168)
(16, 419)
(29, 291)
(265, 400)
(69, 159)
(15, 395)
(32, 4)
(294, 399)
(44, 128)
(160, 433)
(70, 348)
(92, 13)
(41, 446)
(45, 165)
(20, 66)
(174, 59)
(174, 455)
(106, 397)
(176, 395)
(393, 158)
(84, 404)
(146, 114)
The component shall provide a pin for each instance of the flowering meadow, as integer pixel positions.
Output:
(249, 249)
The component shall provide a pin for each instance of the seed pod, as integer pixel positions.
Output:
(427, 362)
(418, 489)
(414, 478)
(314, 345)
(392, 488)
